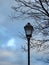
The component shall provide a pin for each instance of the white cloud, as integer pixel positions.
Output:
(11, 43)
(6, 53)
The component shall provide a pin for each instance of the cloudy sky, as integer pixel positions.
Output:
(10, 42)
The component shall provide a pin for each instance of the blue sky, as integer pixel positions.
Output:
(10, 43)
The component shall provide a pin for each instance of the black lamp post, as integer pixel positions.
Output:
(28, 30)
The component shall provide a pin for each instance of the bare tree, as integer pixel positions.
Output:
(38, 10)
(35, 9)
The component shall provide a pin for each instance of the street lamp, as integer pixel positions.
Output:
(28, 31)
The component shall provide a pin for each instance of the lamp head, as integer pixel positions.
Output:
(28, 30)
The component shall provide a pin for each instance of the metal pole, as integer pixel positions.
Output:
(28, 51)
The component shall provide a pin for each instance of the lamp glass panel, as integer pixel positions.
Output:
(28, 32)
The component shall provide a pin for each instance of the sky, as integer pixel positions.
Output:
(11, 52)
